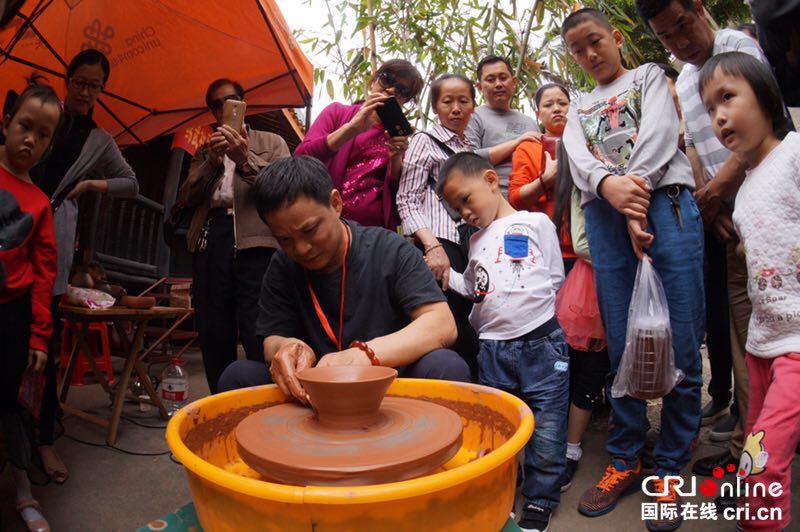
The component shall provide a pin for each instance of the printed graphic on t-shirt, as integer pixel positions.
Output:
(769, 284)
(515, 251)
(611, 128)
(481, 284)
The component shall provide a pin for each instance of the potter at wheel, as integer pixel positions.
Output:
(355, 436)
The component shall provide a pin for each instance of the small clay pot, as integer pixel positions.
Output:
(347, 397)
(140, 302)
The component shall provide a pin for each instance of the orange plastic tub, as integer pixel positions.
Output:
(474, 491)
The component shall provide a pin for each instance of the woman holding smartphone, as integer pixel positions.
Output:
(534, 165)
(364, 161)
(437, 229)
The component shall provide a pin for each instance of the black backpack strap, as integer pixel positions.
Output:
(456, 217)
(442, 146)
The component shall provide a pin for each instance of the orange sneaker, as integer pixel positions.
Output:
(619, 480)
(670, 506)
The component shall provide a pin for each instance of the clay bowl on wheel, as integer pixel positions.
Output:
(347, 397)
(140, 302)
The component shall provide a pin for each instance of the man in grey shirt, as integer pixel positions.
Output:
(495, 129)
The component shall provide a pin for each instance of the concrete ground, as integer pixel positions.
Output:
(109, 490)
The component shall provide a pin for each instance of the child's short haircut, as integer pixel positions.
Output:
(587, 14)
(649, 9)
(468, 163)
(760, 79)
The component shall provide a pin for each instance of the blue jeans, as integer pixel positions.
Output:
(537, 371)
(677, 254)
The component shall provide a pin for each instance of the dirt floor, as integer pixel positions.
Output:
(109, 490)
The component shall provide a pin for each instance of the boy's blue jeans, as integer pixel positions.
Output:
(537, 371)
(677, 254)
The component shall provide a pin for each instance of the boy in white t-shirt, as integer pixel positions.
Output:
(514, 271)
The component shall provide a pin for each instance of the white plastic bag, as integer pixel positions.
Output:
(647, 369)
(88, 297)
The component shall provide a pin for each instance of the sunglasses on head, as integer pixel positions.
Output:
(216, 105)
(388, 81)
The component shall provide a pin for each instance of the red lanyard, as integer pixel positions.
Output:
(318, 308)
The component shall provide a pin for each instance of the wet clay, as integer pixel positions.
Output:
(347, 397)
(205, 431)
(483, 415)
(411, 438)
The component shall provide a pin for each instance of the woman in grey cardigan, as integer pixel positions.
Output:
(84, 158)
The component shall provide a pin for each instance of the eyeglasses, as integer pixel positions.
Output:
(388, 81)
(81, 84)
(216, 105)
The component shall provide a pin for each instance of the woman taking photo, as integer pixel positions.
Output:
(364, 161)
(84, 158)
(436, 228)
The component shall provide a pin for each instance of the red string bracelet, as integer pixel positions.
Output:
(368, 350)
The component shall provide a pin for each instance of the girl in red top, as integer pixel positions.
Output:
(28, 259)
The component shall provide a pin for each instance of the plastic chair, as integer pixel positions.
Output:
(97, 336)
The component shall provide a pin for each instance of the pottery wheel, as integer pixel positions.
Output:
(411, 438)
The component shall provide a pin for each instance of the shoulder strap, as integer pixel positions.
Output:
(442, 146)
(454, 215)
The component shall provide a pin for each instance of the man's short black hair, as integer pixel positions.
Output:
(490, 60)
(587, 14)
(221, 82)
(648, 9)
(468, 163)
(281, 182)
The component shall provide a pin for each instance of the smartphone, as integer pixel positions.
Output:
(394, 121)
(233, 114)
(549, 145)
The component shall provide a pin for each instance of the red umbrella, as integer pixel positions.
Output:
(163, 55)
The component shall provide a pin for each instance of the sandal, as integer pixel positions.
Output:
(53, 465)
(34, 525)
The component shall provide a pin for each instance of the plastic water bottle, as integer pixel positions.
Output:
(174, 386)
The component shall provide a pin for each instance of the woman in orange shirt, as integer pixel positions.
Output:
(533, 169)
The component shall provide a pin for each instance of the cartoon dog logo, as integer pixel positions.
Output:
(754, 457)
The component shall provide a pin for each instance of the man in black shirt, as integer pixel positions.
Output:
(335, 282)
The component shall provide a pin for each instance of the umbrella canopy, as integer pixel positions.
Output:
(163, 55)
